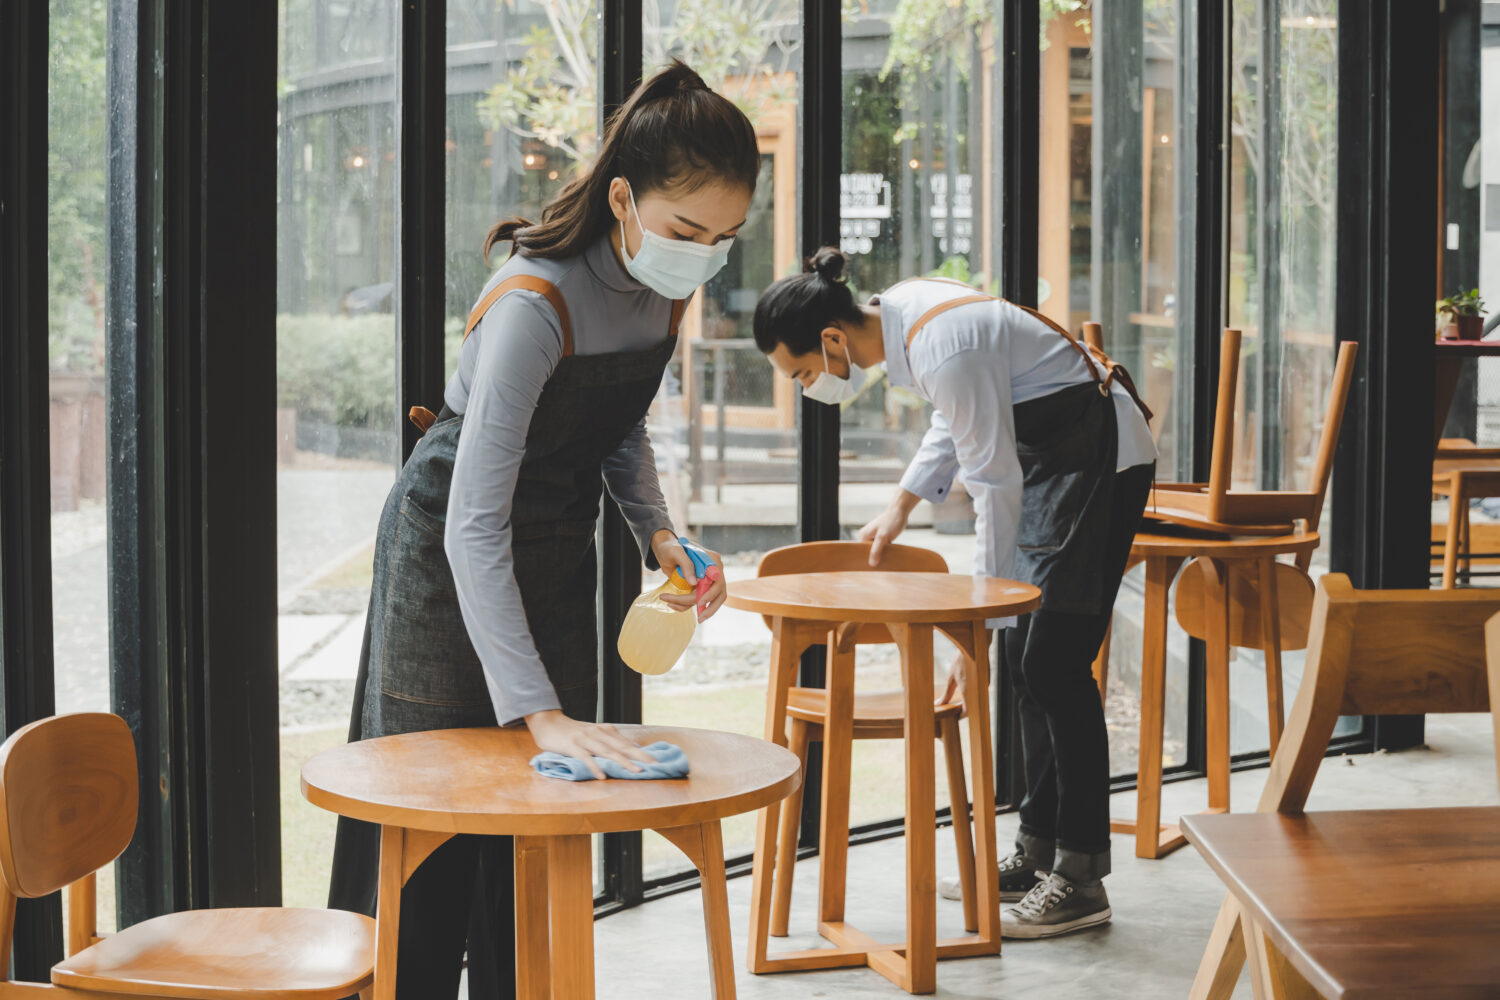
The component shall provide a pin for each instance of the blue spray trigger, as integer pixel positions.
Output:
(699, 556)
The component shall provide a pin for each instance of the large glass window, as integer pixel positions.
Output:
(77, 277)
(337, 447)
(723, 426)
(1283, 106)
(1115, 245)
(919, 195)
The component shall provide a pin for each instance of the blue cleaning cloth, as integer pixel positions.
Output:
(671, 762)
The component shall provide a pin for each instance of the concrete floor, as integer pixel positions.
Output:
(1162, 909)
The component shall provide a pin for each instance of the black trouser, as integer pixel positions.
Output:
(1064, 743)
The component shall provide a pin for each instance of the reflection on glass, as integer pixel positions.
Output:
(1282, 237)
(1115, 246)
(723, 426)
(522, 115)
(335, 379)
(77, 268)
(919, 195)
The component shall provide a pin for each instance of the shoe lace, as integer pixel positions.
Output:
(1014, 863)
(1044, 895)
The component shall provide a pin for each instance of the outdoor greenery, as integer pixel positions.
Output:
(76, 124)
(342, 369)
(745, 49)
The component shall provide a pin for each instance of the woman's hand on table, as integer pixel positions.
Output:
(554, 731)
(672, 556)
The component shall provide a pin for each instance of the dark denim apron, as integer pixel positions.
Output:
(1067, 444)
(418, 670)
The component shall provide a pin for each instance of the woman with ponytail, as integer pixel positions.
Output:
(1052, 442)
(482, 608)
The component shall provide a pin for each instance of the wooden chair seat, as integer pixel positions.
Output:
(241, 953)
(1464, 448)
(877, 715)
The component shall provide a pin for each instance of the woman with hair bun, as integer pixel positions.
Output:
(482, 608)
(1052, 442)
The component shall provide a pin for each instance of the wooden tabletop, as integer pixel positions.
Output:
(481, 781)
(1370, 904)
(889, 598)
(1188, 544)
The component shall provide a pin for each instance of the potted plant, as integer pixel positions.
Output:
(1461, 316)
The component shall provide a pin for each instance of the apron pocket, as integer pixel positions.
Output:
(425, 654)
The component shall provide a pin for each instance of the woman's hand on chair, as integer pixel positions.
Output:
(584, 741)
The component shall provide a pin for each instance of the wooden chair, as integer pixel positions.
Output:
(1213, 506)
(1462, 480)
(877, 715)
(1372, 653)
(68, 806)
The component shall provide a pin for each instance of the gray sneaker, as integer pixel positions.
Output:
(1056, 906)
(1016, 880)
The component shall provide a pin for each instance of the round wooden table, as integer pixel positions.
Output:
(423, 788)
(1237, 592)
(807, 609)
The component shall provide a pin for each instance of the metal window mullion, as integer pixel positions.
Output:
(620, 61)
(820, 156)
(1388, 68)
(26, 650)
(421, 117)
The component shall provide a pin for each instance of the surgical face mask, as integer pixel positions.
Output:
(829, 388)
(674, 268)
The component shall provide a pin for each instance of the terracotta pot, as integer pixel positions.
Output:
(1449, 332)
(1470, 327)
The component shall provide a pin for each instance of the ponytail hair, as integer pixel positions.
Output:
(795, 311)
(672, 133)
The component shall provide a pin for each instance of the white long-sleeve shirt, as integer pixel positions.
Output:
(974, 363)
(501, 371)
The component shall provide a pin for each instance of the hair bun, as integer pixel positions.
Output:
(828, 263)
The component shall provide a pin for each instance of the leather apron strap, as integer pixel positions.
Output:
(424, 418)
(1095, 359)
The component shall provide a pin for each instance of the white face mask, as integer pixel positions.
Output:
(829, 388)
(674, 268)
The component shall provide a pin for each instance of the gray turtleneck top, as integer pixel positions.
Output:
(502, 368)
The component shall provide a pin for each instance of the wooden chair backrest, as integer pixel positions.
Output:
(1221, 460)
(1380, 652)
(68, 800)
(832, 557)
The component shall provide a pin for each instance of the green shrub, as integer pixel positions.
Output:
(342, 369)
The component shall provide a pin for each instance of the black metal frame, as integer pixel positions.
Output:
(1388, 137)
(26, 693)
(620, 45)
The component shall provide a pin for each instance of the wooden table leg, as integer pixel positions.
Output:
(704, 846)
(1223, 957)
(401, 853)
(1151, 839)
(786, 838)
(982, 770)
(920, 972)
(1270, 633)
(838, 744)
(388, 911)
(570, 890)
(786, 648)
(1456, 499)
(533, 947)
(1216, 625)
